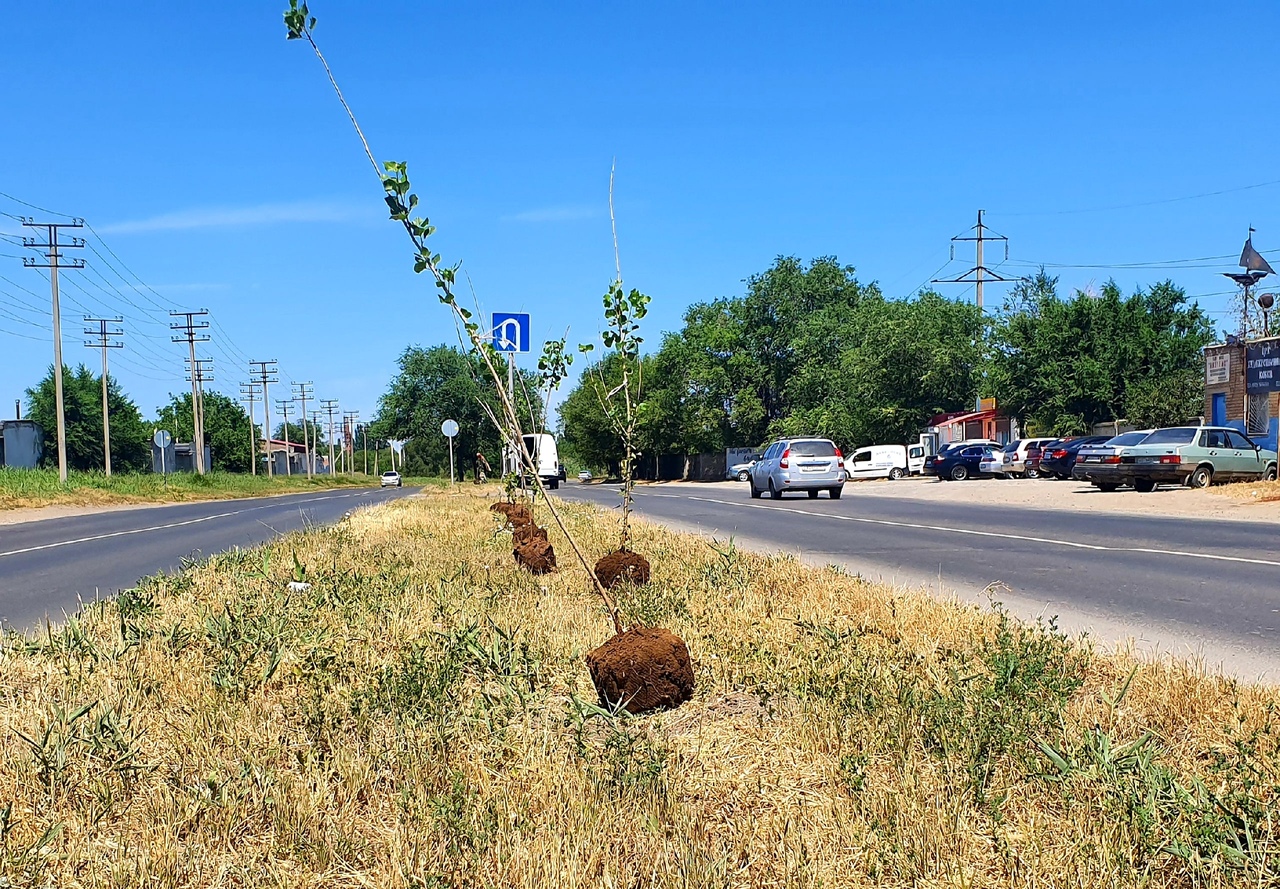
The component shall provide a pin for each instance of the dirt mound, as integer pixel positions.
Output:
(644, 668)
(536, 555)
(525, 533)
(620, 566)
(517, 514)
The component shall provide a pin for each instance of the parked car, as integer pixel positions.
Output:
(742, 471)
(1196, 456)
(1022, 457)
(930, 462)
(1100, 464)
(885, 461)
(1058, 457)
(391, 479)
(799, 464)
(994, 463)
(959, 464)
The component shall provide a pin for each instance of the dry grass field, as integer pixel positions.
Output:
(420, 716)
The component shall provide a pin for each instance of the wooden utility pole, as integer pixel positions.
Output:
(52, 250)
(104, 343)
(249, 393)
(189, 334)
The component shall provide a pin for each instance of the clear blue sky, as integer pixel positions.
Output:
(213, 159)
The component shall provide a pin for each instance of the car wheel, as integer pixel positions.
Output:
(1270, 474)
(755, 495)
(813, 495)
(836, 492)
(774, 493)
(1031, 473)
(960, 473)
(1201, 478)
(1145, 485)
(555, 484)
(896, 473)
(744, 476)
(1107, 487)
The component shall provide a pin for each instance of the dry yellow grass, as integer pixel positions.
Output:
(421, 717)
(1258, 492)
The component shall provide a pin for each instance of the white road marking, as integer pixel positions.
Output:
(1069, 544)
(208, 518)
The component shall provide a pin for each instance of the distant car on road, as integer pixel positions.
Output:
(959, 464)
(1196, 456)
(742, 471)
(584, 476)
(1058, 458)
(799, 464)
(391, 479)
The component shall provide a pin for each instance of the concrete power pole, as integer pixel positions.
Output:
(330, 406)
(979, 274)
(53, 253)
(266, 374)
(283, 404)
(202, 374)
(249, 393)
(306, 390)
(349, 426)
(104, 343)
(190, 335)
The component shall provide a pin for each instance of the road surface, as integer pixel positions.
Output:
(1180, 585)
(48, 567)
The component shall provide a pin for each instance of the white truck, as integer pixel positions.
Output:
(885, 461)
(542, 450)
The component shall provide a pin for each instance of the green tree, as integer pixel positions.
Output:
(443, 383)
(82, 410)
(227, 430)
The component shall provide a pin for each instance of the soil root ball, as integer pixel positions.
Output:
(622, 566)
(536, 555)
(525, 533)
(644, 668)
(517, 514)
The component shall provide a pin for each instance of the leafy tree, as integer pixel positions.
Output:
(443, 383)
(1167, 401)
(313, 430)
(82, 411)
(227, 430)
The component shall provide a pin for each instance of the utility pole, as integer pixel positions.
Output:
(104, 343)
(349, 443)
(330, 406)
(266, 374)
(283, 404)
(203, 373)
(980, 273)
(249, 393)
(190, 335)
(52, 250)
(306, 390)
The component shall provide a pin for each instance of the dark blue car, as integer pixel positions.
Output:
(1058, 458)
(960, 464)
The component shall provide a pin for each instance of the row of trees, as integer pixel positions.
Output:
(228, 429)
(811, 350)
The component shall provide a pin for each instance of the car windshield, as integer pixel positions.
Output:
(389, 473)
(1011, 447)
(1127, 438)
(813, 447)
(1176, 435)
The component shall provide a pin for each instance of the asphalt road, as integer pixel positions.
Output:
(1207, 587)
(48, 567)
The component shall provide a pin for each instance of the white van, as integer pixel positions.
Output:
(885, 461)
(546, 458)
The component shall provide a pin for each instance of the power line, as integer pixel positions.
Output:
(1156, 203)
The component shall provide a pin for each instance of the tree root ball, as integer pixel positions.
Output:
(622, 566)
(525, 533)
(643, 669)
(536, 555)
(517, 514)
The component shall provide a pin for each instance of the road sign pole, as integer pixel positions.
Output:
(451, 476)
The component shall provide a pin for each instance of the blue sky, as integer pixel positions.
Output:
(214, 162)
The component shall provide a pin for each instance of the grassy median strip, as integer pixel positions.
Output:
(415, 712)
(20, 488)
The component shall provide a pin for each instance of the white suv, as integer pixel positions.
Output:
(799, 464)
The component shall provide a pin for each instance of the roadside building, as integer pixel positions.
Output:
(1242, 387)
(21, 443)
(985, 422)
(287, 457)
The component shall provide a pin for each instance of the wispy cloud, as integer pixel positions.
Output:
(240, 217)
(568, 213)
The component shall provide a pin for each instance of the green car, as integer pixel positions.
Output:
(1196, 456)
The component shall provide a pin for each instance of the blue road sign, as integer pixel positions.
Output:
(510, 332)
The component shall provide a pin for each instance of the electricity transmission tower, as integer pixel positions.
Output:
(266, 373)
(979, 274)
(304, 391)
(190, 334)
(249, 393)
(52, 250)
(104, 343)
(330, 406)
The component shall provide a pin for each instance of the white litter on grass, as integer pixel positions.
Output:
(297, 586)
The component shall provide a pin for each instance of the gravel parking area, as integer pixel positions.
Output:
(1215, 502)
